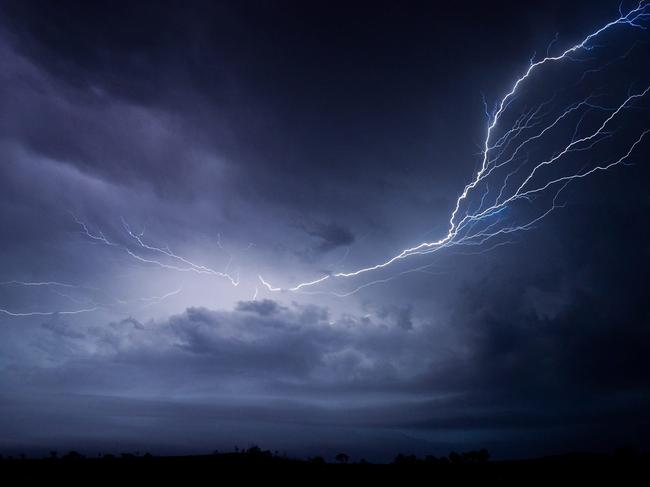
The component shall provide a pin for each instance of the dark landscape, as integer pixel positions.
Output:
(622, 465)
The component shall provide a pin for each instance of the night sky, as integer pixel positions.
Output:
(161, 161)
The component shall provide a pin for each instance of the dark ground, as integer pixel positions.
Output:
(621, 468)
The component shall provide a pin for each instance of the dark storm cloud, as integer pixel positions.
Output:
(331, 236)
(403, 315)
(295, 107)
(263, 308)
(325, 238)
(59, 327)
(310, 118)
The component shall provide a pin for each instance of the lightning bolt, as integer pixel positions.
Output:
(509, 174)
(48, 313)
(37, 284)
(174, 261)
(90, 304)
(486, 222)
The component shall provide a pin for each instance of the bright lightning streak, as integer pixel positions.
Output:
(91, 304)
(268, 286)
(49, 313)
(37, 284)
(422, 269)
(461, 228)
(181, 264)
(150, 301)
(157, 299)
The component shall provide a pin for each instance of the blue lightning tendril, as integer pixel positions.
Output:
(473, 227)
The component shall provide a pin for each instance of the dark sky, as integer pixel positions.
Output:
(295, 140)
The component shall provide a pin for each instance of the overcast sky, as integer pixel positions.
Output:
(297, 140)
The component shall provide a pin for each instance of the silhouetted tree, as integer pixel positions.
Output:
(474, 456)
(455, 458)
(256, 452)
(342, 458)
(72, 456)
